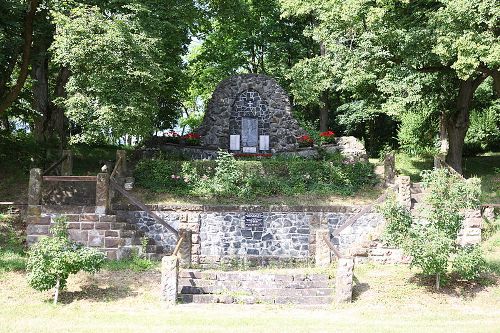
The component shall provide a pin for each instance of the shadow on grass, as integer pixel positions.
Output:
(454, 286)
(95, 294)
(359, 288)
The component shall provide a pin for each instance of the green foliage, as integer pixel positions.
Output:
(12, 256)
(484, 131)
(228, 177)
(134, 263)
(398, 222)
(431, 239)
(53, 259)
(469, 262)
(126, 64)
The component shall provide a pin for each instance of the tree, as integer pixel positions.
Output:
(126, 65)
(431, 239)
(246, 36)
(9, 94)
(409, 57)
(53, 259)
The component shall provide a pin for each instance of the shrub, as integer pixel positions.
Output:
(469, 262)
(431, 239)
(228, 177)
(53, 259)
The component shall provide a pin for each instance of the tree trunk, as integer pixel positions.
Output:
(56, 291)
(458, 123)
(7, 100)
(40, 88)
(323, 111)
(437, 281)
(59, 119)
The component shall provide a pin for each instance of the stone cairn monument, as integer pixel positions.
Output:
(250, 114)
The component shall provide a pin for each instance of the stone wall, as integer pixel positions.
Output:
(220, 233)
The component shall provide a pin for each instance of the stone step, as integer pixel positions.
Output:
(246, 299)
(283, 291)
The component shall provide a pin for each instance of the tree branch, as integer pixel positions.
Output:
(13, 93)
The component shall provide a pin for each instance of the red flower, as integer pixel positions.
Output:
(192, 136)
(171, 134)
(327, 134)
(305, 138)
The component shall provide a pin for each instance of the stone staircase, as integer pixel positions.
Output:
(118, 239)
(251, 287)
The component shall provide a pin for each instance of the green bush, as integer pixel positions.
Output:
(469, 262)
(53, 259)
(431, 239)
(228, 177)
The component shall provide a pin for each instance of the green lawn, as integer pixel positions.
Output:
(122, 298)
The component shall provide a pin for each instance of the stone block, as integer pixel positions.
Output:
(73, 225)
(78, 236)
(112, 254)
(102, 226)
(107, 218)
(169, 279)
(95, 239)
(111, 233)
(34, 210)
(37, 229)
(343, 280)
(86, 226)
(112, 242)
(323, 253)
(89, 218)
(35, 187)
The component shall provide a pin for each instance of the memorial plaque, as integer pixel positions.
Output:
(254, 220)
(249, 132)
(234, 142)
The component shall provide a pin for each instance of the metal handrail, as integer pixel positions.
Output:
(55, 164)
(142, 206)
(350, 221)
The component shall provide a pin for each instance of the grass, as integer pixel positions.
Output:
(364, 196)
(123, 298)
(386, 299)
(486, 166)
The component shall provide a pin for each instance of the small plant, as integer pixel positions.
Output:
(171, 137)
(327, 137)
(192, 139)
(144, 244)
(305, 141)
(53, 259)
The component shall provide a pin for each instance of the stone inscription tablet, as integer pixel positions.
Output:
(249, 132)
(254, 220)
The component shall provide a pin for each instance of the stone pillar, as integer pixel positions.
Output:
(122, 169)
(343, 280)
(35, 187)
(169, 283)
(102, 194)
(323, 253)
(390, 167)
(404, 191)
(185, 248)
(67, 164)
(470, 234)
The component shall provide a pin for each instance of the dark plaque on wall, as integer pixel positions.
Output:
(254, 220)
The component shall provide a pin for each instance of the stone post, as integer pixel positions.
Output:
(35, 187)
(343, 280)
(67, 164)
(36, 225)
(122, 169)
(323, 253)
(102, 194)
(185, 248)
(390, 168)
(169, 283)
(404, 191)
